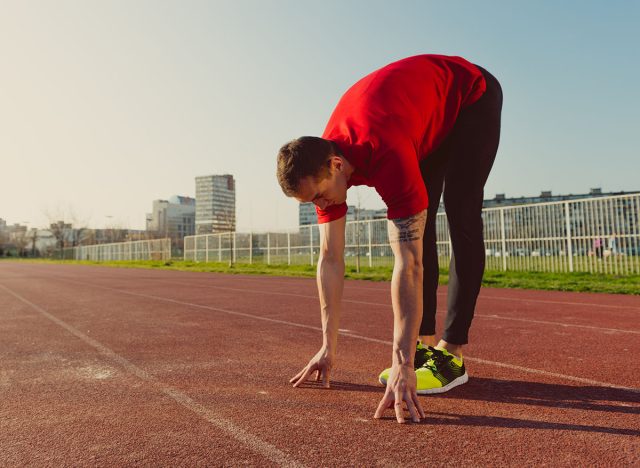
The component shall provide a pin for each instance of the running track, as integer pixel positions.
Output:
(105, 366)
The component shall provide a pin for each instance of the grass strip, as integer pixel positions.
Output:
(578, 282)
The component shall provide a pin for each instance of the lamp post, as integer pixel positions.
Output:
(26, 225)
(106, 227)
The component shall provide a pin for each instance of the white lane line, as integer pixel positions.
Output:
(275, 293)
(250, 440)
(558, 324)
(355, 336)
(544, 301)
(388, 306)
(560, 376)
(283, 281)
(482, 296)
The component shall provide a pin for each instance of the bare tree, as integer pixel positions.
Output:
(20, 240)
(33, 237)
(4, 241)
(116, 231)
(89, 238)
(59, 230)
(61, 225)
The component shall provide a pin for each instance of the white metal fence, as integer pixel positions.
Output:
(155, 249)
(600, 235)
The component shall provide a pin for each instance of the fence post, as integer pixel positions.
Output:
(504, 240)
(206, 248)
(569, 246)
(235, 247)
(220, 247)
(268, 249)
(311, 242)
(370, 222)
(288, 248)
(251, 248)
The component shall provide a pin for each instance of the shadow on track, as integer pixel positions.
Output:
(344, 386)
(513, 423)
(451, 419)
(518, 392)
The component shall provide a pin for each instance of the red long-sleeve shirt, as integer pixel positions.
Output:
(391, 119)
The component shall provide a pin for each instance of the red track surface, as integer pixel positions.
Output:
(108, 366)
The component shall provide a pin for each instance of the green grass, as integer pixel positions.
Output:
(580, 282)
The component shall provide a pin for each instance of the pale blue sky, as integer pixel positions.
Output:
(106, 106)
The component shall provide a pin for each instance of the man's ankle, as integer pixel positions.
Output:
(451, 348)
(428, 340)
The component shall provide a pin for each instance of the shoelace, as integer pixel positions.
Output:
(422, 356)
(438, 358)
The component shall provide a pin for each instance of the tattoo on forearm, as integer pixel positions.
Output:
(407, 229)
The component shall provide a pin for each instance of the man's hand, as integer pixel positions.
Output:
(401, 386)
(321, 363)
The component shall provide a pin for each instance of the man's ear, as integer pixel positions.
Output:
(336, 162)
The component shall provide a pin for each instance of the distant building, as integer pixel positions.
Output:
(173, 218)
(12, 239)
(580, 218)
(545, 197)
(307, 214)
(215, 204)
(364, 214)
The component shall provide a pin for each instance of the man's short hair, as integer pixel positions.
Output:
(303, 157)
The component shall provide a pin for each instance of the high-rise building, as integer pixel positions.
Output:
(173, 218)
(215, 204)
(307, 214)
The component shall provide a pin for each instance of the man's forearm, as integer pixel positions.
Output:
(405, 236)
(330, 279)
(406, 295)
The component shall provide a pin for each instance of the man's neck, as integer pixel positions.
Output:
(348, 168)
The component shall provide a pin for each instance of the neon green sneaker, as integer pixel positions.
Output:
(423, 354)
(441, 373)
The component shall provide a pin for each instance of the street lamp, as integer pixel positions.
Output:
(106, 224)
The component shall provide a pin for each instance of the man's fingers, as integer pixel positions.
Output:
(416, 401)
(412, 409)
(297, 376)
(325, 378)
(383, 405)
(308, 371)
(398, 407)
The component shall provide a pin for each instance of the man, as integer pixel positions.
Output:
(411, 129)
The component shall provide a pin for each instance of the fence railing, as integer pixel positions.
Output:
(598, 235)
(153, 249)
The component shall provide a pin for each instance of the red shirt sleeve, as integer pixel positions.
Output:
(331, 213)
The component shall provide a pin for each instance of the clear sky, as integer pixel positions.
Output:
(108, 105)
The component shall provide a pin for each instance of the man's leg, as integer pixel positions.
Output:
(433, 170)
(475, 143)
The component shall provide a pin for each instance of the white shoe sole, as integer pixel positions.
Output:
(464, 378)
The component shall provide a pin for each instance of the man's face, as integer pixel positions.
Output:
(325, 192)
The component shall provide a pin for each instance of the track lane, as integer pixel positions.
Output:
(555, 349)
(194, 357)
(64, 402)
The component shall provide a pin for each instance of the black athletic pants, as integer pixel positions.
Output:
(460, 166)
